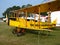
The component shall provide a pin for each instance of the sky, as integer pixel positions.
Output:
(4, 4)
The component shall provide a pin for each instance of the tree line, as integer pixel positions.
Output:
(7, 11)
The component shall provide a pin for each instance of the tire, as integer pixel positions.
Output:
(19, 34)
(14, 31)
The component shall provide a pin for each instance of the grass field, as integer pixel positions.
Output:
(7, 38)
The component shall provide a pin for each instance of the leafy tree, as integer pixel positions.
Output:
(25, 6)
(28, 5)
(10, 9)
(14, 8)
(44, 13)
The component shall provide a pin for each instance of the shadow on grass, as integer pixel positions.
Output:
(57, 44)
(56, 28)
(41, 33)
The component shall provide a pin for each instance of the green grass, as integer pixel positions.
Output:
(7, 38)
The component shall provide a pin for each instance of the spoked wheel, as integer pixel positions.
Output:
(19, 31)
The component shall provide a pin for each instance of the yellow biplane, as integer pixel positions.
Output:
(22, 18)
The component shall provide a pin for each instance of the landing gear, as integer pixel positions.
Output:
(19, 31)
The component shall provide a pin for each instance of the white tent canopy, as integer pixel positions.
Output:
(56, 15)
